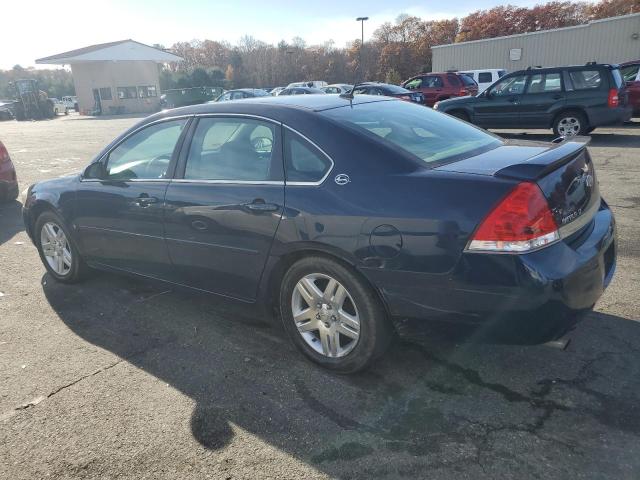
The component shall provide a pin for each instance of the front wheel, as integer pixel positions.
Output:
(332, 315)
(57, 249)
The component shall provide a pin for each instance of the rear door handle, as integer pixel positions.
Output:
(259, 205)
(145, 200)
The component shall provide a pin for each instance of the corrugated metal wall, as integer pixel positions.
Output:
(613, 40)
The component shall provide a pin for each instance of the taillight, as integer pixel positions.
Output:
(405, 97)
(613, 98)
(521, 222)
(463, 92)
(4, 154)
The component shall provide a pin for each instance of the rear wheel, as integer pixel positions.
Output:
(57, 249)
(570, 124)
(332, 315)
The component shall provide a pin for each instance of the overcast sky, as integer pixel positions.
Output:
(58, 26)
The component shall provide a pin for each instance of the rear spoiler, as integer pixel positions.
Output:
(540, 165)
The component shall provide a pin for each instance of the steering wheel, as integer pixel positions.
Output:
(150, 171)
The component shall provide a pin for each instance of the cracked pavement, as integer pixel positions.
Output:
(119, 378)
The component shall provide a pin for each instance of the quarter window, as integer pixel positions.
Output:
(145, 154)
(232, 149)
(303, 162)
(585, 79)
(544, 83)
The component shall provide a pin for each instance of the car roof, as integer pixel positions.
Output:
(312, 103)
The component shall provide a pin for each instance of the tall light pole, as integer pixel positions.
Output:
(361, 20)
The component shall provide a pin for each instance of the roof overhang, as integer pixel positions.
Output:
(124, 50)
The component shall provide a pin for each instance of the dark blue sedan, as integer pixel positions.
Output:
(341, 214)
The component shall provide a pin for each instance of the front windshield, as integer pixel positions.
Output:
(426, 134)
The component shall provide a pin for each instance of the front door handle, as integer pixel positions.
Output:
(259, 205)
(145, 200)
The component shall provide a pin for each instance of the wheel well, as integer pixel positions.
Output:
(285, 262)
(37, 210)
(564, 111)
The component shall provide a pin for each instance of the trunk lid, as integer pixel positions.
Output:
(563, 171)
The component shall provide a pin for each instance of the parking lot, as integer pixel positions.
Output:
(117, 378)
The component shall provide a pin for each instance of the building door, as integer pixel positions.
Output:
(97, 104)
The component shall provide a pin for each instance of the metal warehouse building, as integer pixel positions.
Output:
(115, 77)
(611, 40)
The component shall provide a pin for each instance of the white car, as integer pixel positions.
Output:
(311, 84)
(486, 77)
(276, 91)
(337, 88)
(59, 106)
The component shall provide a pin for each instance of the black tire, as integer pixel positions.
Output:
(376, 331)
(66, 111)
(460, 114)
(78, 268)
(569, 117)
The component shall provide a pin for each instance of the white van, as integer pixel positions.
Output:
(485, 77)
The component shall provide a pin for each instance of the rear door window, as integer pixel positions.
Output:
(231, 149)
(545, 83)
(585, 79)
(432, 81)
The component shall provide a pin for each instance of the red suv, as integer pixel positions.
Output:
(8, 179)
(631, 73)
(440, 86)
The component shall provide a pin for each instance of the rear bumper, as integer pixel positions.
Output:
(600, 117)
(564, 276)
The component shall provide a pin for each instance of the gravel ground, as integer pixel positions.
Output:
(117, 378)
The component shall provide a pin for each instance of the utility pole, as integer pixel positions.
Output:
(361, 20)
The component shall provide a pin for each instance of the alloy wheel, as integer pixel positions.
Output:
(569, 126)
(56, 248)
(325, 315)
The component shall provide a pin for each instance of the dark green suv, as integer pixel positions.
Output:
(571, 100)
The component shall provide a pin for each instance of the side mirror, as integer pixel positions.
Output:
(96, 171)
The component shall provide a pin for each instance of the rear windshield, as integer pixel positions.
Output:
(426, 134)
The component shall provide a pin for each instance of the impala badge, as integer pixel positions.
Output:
(342, 179)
